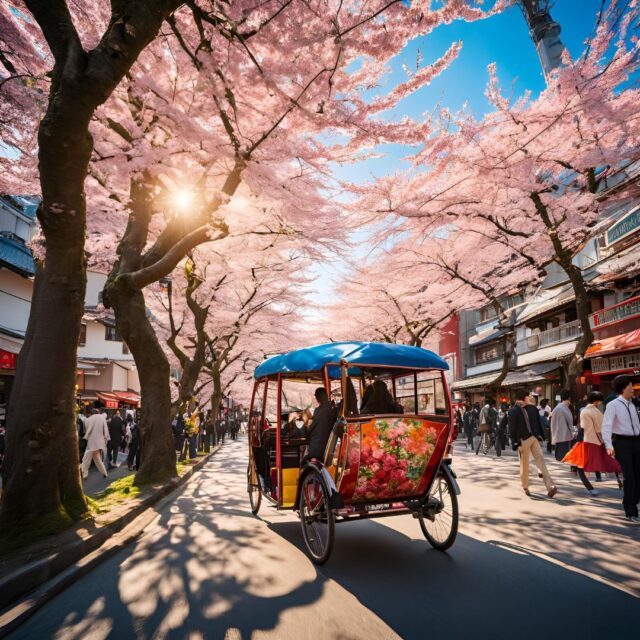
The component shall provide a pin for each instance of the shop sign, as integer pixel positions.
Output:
(7, 360)
(624, 227)
(621, 362)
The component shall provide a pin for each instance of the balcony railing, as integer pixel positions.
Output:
(557, 335)
(615, 313)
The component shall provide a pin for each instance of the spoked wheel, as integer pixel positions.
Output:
(255, 495)
(318, 525)
(439, 517)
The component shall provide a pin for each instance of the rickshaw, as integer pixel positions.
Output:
(375, 465)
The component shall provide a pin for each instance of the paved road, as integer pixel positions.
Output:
(521, 567)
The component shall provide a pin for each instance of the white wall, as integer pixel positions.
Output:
(97, 347)
(95, 284)
(15, 300)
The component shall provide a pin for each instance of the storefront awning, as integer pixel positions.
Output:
(547, 300)
(474, 382)
(552, 354)
(128, 397)
(486, 336)
(535, 373)
(109, 400)
(615, 344)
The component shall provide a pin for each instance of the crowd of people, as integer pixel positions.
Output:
(195, 430)
(597, 437)
(102, 435)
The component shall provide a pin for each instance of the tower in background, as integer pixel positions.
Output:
(544, 32)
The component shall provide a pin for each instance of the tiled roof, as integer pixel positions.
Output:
(16, 256)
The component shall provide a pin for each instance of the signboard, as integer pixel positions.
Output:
(622, 362)
(7, 360)
(624, 227)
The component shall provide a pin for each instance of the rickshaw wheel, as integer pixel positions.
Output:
(316, 517)
(439, 518)
(255, 495)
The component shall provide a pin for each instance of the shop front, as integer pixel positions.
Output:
(8, 362)
(614, 356)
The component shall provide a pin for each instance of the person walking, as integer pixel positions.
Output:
(526, 434)
(470, 421)
(133, 457)
(590, 454)
(562, 425)
(116, 435)
(96, 434)
(621, 436)
(544, 410)
(487, 421)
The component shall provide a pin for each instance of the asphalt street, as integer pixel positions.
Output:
(520, 568)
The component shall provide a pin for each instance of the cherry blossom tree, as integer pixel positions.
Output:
(530, 174)
(390, 297)
(41, 480)
(227, 101)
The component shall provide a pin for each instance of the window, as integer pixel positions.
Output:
(110, 334)
(431, 396)
(405, 393)
(256, 409)
(489, 352)
(487, 313)
(83, 335)
(271, 405)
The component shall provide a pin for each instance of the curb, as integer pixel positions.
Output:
(24, 591)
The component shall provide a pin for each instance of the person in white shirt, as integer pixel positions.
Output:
(96, 433)
(621, 436)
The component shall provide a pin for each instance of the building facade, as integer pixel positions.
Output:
(106, 370)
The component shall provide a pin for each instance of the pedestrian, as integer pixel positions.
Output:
(2, 443)
(544, 410)
(82, 443)
(97, 437)
(526, 434)
(116, 434)
(133, 457)
(487, 419)
(177, 427)
(470, 421)
(562, 425)
(221, 430)
(590, 454)
(621, 436)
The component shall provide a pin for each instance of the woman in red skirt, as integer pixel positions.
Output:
(591, 454)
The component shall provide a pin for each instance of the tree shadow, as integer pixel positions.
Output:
(474, 590)
(206, 566)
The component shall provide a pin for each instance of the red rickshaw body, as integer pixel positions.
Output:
(380, 462)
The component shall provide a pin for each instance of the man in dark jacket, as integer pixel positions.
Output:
(116, 433)
(324, 417)
(526, 435)
(470, 422)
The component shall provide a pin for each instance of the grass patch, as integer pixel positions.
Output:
(118, 491)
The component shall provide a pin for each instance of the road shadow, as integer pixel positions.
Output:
(205, 569)
(474, 590)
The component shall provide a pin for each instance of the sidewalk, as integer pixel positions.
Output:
(67, 553)
(95, 483)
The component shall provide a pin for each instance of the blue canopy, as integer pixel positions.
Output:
(355, 353)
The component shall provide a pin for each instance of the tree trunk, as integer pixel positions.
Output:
(157, 452)
(41, 477)
(576, 364)
(216, 396)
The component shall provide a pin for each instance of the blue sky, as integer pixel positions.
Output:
(503, 39)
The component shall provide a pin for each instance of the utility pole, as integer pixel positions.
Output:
(544, 32)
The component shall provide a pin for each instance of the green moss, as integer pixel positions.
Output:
(118, 491)
(25, 533)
